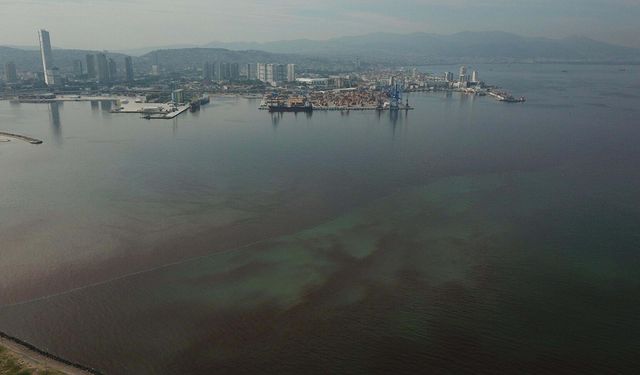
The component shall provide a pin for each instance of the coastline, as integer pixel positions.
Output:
(30, 358)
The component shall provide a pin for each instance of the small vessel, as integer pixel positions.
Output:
(511, 99)
(295, 104)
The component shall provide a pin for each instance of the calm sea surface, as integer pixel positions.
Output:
(465, 237)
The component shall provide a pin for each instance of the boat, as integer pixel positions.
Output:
(511, 99)
(296, 104)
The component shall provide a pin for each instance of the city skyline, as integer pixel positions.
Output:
(142, 23)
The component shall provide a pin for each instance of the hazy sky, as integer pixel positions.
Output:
(122, 24)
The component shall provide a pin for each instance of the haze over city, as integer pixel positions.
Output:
(319, 187)
(142, 23)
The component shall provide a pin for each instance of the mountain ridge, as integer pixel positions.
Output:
(378, 48)
(461, 45)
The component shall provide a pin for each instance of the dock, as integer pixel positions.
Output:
(33, 141)
(160, 115)
(68, 98)
(506, 97)
(364, 108)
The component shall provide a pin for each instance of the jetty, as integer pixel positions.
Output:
(161, 115)
(370, 108)
(52, 98)
(502, 96)
(33, 141)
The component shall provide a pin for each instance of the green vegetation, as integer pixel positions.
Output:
(11, 365)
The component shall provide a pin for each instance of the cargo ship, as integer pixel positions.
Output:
(507, 98)
(295, 104)
(197, 102)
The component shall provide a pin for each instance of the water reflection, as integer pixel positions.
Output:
(275, 119)
(106, 106)
(377, 235)
(54, 119)
(398, 119)
(393, 117)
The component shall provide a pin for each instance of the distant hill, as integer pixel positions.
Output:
(464, 46)
(145, 50)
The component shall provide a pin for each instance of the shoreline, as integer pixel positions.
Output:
(34, 358)
(25, 138)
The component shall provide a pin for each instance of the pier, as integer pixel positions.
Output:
(152, 111)
(161, 115)
(506, 97)
(364, 108)
(33, 141)
(66, 98)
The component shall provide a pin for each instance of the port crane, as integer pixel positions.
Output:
(395, 95)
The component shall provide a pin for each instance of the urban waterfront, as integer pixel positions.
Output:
(465, 236)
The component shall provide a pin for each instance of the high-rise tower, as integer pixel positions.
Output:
(91, 66)
(291, 72)
(128, 68)
(10, 74)
(102, 66)
(47, 58)
(474, 76)
(463, 74)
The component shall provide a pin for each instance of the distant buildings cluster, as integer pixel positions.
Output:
(223, 71)
(105, 70)
(97, 67)
(102, 69)
(275, 74)
(272, 74)
(464, 80)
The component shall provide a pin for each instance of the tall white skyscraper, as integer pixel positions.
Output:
(47, 58)
(463, 74)
(251, 72)
(291, 72)
(270, 74)
(261, 73)
(474, 76)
